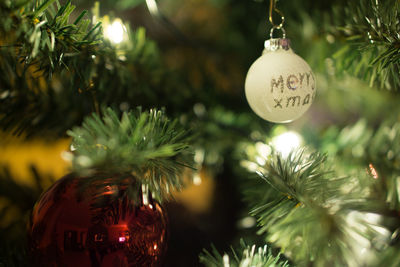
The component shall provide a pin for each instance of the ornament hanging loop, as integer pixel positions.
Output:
(271, 33)
(272, 7)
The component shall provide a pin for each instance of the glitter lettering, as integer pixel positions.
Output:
(293, 99)
(278, 103)
(292, 82)
(306, 100)
(308, 74)
(277, 84)
(301, 76)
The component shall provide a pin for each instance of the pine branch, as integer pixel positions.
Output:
(46, 38)
(377, 150)
(146, 145)
(372, 27)
(51, 68)
(317, 216)
(39, 42)
(243, 257)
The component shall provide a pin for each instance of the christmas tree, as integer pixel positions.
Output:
(145, 101)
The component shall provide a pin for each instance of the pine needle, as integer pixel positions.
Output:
(146, 145)
(316, 216)
(372, 51)
(245, 256)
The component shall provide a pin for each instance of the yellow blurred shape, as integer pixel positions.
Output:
(19, 155)
(13, 213)
(198, 194)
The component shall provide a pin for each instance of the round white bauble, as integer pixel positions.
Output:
(280, 85)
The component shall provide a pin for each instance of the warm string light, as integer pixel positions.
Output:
(287, 142)
(372, 171)
(260, 153)
(247, 222)
(115, 32)
(225, 259)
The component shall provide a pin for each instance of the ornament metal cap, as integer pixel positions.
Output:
(275, 44)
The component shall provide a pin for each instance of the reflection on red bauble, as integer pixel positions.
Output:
(96, 224)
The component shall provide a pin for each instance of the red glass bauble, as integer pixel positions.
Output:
(97, 224)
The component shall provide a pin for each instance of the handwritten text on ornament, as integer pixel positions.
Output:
(293, 81)
(293, 101)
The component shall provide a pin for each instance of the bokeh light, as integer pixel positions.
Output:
(286, 142)
(115, 32)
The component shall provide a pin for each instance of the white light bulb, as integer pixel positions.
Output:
(115, 32)
(286, 142)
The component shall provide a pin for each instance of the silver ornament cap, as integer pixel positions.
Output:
(274, 44)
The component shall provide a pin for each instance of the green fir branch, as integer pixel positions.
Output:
(37, 47)
(47, 38)
(246, 256)
(146, 145)
(317, 217)
(373, 50)
(374, 149)
(43, 7)
(48, 60)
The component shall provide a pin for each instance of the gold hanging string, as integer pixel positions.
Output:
(272, 7)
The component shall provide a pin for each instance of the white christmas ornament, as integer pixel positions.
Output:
(280, 85)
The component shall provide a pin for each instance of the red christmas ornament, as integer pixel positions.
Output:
(96, 224)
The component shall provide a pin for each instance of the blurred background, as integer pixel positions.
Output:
(193, 61)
